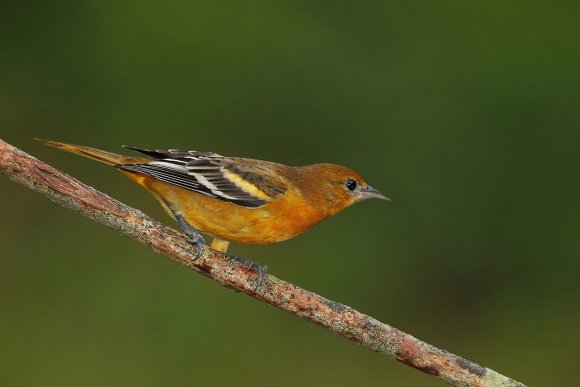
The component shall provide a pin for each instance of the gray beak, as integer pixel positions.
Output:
(369, 192)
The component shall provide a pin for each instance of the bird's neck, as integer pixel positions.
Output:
(318, 191)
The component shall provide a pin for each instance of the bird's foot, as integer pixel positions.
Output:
(195, 237)
(260, 269)
(199, 241)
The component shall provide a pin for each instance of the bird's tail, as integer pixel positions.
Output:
(95, 154)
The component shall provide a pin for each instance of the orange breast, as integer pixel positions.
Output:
(275, 221)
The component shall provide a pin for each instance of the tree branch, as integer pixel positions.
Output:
(338, 318)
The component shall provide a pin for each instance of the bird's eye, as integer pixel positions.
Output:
(351, 184)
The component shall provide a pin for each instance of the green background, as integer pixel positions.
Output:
(466, 114)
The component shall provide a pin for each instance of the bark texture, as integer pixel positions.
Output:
(338, 318)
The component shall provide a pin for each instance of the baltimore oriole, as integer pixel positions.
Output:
(237, 199)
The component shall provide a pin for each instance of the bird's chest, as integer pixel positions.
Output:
(285, 219)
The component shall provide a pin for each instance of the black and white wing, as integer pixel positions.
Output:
(210, 174)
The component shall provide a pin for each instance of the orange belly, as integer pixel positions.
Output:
(275, 221)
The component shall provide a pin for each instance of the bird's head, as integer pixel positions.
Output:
(340, 187)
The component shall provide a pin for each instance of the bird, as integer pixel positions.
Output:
(236, 199)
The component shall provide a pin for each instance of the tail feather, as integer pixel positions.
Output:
(95, 154)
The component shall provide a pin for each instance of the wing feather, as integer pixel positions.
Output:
(232, 180)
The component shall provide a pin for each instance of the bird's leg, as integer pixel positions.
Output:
(260, 269)
(220, 244)
(194, 236)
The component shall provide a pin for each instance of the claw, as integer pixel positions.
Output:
(199, 242)
(260, 269)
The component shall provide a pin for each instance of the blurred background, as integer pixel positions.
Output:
(465, 114)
